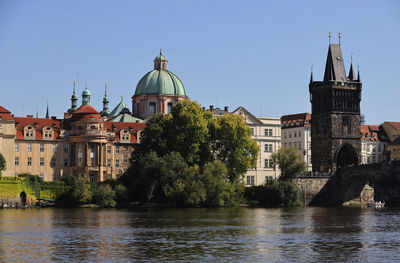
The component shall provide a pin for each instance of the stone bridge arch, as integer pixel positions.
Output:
(345, 156)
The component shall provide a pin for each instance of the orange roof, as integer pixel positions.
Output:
(299, 120)
(38, 124)
(132, 127)
(5, 114)
(371, 133)
(86, 112)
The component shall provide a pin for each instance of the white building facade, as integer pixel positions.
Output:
(296, 133)
(266, 131)
(373, 144)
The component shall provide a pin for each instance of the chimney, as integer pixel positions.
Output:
(226, 109)
(211, 107)
(29, 116)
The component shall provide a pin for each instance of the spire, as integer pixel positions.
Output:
(105, 110)
(74, 99)
(358, 74)
(339, 36)
(334, 69)
(160, 52)
(352, 75)
(47, 111)
(311, 77)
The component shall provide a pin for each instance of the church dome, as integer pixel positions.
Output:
(86, 92)
(160, 81)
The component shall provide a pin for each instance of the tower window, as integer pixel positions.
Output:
(152, 107)
(169, 107)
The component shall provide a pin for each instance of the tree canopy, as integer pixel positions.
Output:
(189, 157)
(289, 163)
(2, 163)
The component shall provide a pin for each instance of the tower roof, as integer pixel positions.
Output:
(116, 111)
(334, 69)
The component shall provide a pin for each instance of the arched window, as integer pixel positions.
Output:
(47, 133)
(29, 132)
(125, 136)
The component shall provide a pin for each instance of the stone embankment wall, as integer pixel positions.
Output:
(310, 187)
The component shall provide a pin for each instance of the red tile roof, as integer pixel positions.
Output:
(86, 112)
(296, 120)
(371, 133)
(395, 125)
(38, 124)
(5, 114)
(133, 127)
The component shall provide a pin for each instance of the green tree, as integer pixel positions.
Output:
(233, 145)
(104, 196)
(199, 138)
(2, 163)
(289, 163)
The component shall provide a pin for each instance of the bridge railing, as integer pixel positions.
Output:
(315, 175)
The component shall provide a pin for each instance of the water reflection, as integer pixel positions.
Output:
(236, 234)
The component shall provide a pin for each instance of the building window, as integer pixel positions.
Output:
(29, 147)
(294, 134)
(108, 162)
(169, 107)
(137, 108)
(284, 135)
(268, 163)
(41, 147)
(268, 148)
(16, 147)
(41, 161)
(108, 149)
(54, 147)
(290, 135)
(250, 179)
(42, 176)
(29, 161)
(66, 162)
(268, 132)
(268, 178)
(299, 133)
(66, 148)
(125, 158)
(152, 107)
(117, 163)
(29, 133)
(48, 133)
(16, 161)
(92, 158)
(252, 131)
(117, 149)
(92, 178)
(53, 162)
(109, 176)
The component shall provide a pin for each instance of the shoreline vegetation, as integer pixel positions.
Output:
(188, 158)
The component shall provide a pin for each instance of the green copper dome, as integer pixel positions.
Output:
(162, 82)
(160, 57)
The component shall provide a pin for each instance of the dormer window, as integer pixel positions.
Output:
(29, 132)
(125, 136)
(47, 133)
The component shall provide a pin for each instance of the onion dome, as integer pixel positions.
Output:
(160, 81)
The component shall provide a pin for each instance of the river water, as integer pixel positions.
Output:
(345, 234)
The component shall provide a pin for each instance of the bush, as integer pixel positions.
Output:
(274, 194)
(104, 196)
(79, 194)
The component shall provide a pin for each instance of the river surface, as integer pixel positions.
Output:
(345, 234)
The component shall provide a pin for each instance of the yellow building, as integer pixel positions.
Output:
(7, 136)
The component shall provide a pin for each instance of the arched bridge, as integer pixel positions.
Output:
(347, 183)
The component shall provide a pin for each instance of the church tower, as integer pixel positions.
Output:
(105, 110)
(335, 120)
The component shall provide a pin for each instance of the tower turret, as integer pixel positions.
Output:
(86, 96)
(105, 110)
(160, 62)
(74, 100)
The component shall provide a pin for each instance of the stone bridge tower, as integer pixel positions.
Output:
(335, 120)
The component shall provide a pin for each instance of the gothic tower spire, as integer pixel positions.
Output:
(47, 111)
(352, 75)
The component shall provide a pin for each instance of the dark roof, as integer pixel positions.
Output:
(296, 120)
(334, 69)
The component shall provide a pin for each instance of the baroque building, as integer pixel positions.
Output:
(157, 91)
(86, 143)
(335, 132)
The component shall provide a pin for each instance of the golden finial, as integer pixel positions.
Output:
(339, 37)
(330, 37)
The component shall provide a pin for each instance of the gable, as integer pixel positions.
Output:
(249, 118)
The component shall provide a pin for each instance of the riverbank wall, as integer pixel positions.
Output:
(18, 192)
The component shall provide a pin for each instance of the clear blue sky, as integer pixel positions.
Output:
(255, 54)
